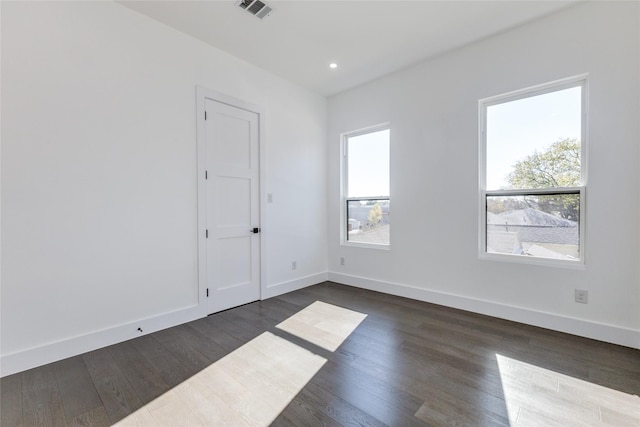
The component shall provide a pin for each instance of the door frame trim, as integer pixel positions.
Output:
(202, 94)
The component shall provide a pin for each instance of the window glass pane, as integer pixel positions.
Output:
(535, 142)
(368, 164)
(546, 226)
(368, 221)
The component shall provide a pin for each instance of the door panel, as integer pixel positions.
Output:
(232, 205)
(234, 271)
(235, 129)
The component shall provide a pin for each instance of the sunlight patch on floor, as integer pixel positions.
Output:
(254, 383)
(322, 324)
(248, 387)
(535, 396)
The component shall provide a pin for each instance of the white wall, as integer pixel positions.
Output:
(433, 110)
(99, 195)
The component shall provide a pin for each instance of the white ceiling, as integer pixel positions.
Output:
(368, 39)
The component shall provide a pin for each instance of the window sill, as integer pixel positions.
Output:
(539, 261)
(377, 246)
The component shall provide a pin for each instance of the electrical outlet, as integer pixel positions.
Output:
(269, 198)
(294, 265)
(582, 296)
(341, 260)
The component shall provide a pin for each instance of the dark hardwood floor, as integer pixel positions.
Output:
(408, 363)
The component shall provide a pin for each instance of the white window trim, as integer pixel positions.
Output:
(557, 85)
(344, 185)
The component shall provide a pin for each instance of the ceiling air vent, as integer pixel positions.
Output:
(255, 7)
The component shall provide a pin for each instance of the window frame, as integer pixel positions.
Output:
(483, 105)
(344, 186)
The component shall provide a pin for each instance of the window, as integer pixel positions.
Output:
(532, 174)
(365, 181)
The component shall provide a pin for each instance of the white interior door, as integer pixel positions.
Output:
(232, 205)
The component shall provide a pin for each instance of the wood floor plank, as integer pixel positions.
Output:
(572, 365)
(77, 390)
(440, 411)
(94, 418)
(388, 391)
(336, 409)
(250, 320)
(235, 326)
(296, 298)
(272, 310)
(351, 390)
(208, 328)
(42, 404)
(140, 418)
(285, 308)
(307, 409)
(142, 376)
(170, 369)
(623, 379)
(615, 417)
(201, 342)
(181, 347)
(445, 355)
(347, 414)
(118, 396)
(11, 400)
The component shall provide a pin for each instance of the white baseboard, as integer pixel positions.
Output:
(51, 352)
(58, 350)
(293, 285)
(69, 347)
(584, 328)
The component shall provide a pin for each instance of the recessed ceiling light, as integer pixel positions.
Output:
(333, 65)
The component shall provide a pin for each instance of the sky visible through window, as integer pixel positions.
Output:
(517, 129)
(368, 170)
